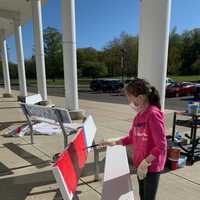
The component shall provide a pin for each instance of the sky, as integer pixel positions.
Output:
(100, 21)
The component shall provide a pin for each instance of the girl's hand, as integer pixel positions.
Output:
(104, 143)
(142, 169)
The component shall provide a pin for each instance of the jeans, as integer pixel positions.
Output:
(148, 186)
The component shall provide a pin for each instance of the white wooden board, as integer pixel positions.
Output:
(117, 182)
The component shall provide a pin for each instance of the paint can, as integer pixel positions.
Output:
(173, 153)
(174, 164)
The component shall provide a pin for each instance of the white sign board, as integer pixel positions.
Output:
(90, 131)
(117, 182)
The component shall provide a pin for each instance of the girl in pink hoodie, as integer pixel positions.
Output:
(146, 135)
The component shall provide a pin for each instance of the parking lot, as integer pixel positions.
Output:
(174, 103)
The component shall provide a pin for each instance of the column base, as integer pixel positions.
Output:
(77, 114)
(8, 95)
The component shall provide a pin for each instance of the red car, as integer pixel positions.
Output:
(180, 89)
(187, 88)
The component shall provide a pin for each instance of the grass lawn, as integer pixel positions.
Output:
(57, 82)
(193, 78)
(61, 82)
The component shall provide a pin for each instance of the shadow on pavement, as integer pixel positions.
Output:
(4, 170)
(34, 160)
(90, 167)
(4, 125)
(14, 107)
(19, 187)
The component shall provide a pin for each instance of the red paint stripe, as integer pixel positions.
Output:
(80, 148)
(72, 161)
(66, 168)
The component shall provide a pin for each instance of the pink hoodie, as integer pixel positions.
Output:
(147, 135)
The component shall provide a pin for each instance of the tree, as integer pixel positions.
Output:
(90, 63)
(195, 68)
(191, 50)
(112, 55)
(53, 53)
(30, 67)
(13, 70)
(94, 70)
(130, 44)
(174, 52)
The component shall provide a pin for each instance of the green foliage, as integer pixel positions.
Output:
(30, 67)
(90, 63)
(123, 48)
(195, 67)
(184, 52)
(13, 70)
(174, 53)
(94, 70)
(53, 53)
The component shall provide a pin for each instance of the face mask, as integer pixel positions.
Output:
(134, 107)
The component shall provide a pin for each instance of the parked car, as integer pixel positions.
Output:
(197, 91)
(172, 90)
(187, 88)
(180, 89)
(169, 81)
(96, 85)
(106, 85)
(129, 80)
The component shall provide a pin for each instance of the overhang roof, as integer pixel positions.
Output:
(23, 7)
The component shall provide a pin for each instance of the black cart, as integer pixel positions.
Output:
(192, 121)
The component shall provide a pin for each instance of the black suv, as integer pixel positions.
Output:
(106, 85)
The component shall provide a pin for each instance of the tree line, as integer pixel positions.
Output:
(118, 57)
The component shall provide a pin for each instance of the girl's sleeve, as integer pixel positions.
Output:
(128, 139)
(156, 125)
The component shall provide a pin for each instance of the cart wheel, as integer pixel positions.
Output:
(190, 160)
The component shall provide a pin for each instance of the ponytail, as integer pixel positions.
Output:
(154, 98)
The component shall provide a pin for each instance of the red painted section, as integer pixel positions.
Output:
(80, 149)
(72, 161)
(65, 165)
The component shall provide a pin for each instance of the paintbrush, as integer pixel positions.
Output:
(94, 145)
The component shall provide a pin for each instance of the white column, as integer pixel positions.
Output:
(6, 74)
(153, 43)
(69, 54)
(20, 59)
(39, 48)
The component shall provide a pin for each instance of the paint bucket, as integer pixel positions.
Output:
(174, 164)
(173, 153)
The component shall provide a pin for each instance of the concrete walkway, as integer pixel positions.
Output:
(25, 169)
